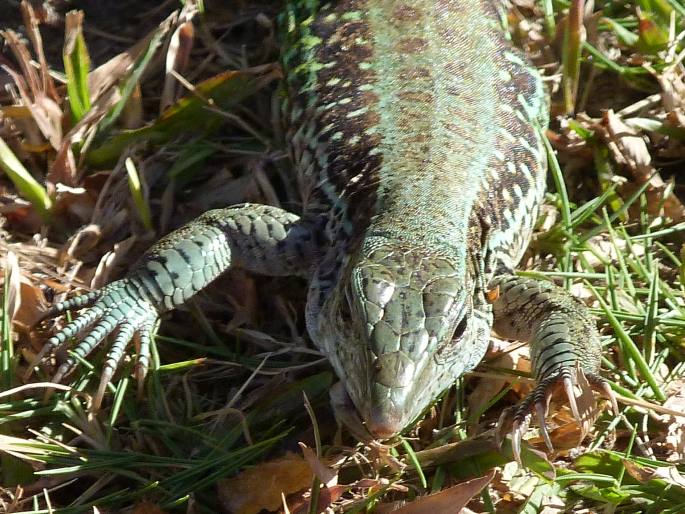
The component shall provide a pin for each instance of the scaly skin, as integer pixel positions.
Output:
(415, 131)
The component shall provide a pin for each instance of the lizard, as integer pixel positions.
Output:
(415, 129)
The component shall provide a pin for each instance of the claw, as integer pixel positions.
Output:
(121, 307)
(144, 352)
(609, 393)
(516, 443)
(70, 330)
(571, 395)
(114, 357)
(602, 386)
(37, 360)
(540, 409)
(515, 419)
(519, 427)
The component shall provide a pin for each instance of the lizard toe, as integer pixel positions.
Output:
(515, 419)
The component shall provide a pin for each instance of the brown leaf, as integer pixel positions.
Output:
(104, 94)
(109, 74)
(644, 474)
(132, 115)
(25, 300)
(630, 149)
(260, 487)
(80, 243)
(31, 23)
(450, 500)
(326, 498)
(327, 476)
(63, 169)
(177, 59)
(118, 255)
(672, 88)
(45, 112)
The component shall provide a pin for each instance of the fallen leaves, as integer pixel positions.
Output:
(448, 501)
(630, 149)
(262, 486)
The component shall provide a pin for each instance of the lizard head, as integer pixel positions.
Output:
(406, 329)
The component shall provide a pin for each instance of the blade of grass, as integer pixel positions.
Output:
(139, 67)
(27, 186)
(139, 200)
(189, 115)
(571, 52)
(630, 347)
(76, 65)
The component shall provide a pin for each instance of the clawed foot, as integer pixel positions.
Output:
(517, 418)
(114, 309)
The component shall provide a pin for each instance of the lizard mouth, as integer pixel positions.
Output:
(379, 426)
(384, 425)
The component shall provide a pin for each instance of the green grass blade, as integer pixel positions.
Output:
(136, 188)
(76, 65)
(571, 53)
(28, 187)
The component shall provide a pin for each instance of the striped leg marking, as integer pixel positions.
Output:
(260, 238)
(564, 345)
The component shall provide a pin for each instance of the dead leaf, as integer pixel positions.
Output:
(46, 113)
(132, 115)
(32, 307)
(177, 59)
(104, 94)
(448, 501)
(630, 149)
(327, 476)
(326, 498)
(31, 23)
(672, 88)
(260, 487)
(108, 75)
(675, 426)
(644, 474)
(110, 260)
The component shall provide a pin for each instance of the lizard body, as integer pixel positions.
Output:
(415, 131)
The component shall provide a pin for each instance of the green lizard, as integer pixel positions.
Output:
(415, 131)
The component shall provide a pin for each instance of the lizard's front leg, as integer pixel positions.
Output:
(563, 340)
(259, 238)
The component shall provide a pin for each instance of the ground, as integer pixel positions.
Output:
(105, 147)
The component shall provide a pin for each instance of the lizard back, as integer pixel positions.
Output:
(409, 117)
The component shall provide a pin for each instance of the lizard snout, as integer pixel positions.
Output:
(384, 424)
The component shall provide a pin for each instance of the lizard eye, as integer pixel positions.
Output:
(461, 328)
